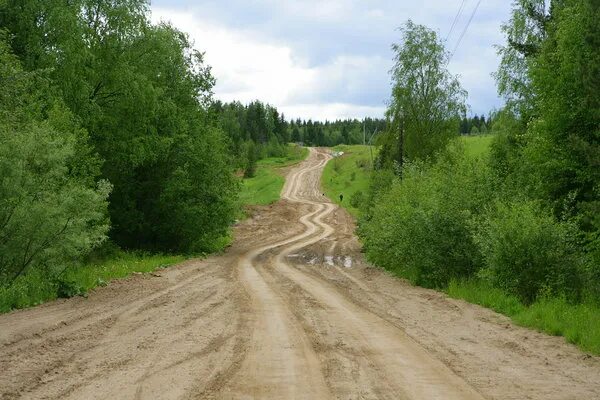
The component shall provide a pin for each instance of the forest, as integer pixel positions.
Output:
(520, 225)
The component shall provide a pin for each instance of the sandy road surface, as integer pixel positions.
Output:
(291, 310)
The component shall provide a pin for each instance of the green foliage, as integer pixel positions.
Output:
(250, 167)
(427, 101)
(514, 225)
(564, 149)
(51, 208)
(348, 175)
(421, 228)
(201, 192)
(527, 253)
(142, 93)
(578, 323)
(35, 288)
(477, 146)
(265, 187)
(483, 293)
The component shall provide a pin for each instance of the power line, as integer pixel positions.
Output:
(460, 10)
(465, 30)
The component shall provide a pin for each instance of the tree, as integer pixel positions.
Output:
(427, 101)
(52, 207)
(564, 149)
(525, 33)
(250, 168)
(142, 93)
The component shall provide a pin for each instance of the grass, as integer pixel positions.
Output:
(348, 175)
(477, 146)
(265, 187)
(578, 323)
(35, 288)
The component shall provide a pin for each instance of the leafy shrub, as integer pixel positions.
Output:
(527, 252)
(421, 228)
(66, 288)
(358, 199)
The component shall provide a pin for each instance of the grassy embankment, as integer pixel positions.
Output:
(578, 323)
(34, 288)
(347, 175)
(264, 188)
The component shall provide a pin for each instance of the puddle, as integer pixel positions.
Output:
(329, 260)
(348, 262)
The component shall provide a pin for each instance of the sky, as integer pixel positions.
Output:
(330, 59)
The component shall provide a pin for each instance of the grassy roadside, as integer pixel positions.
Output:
(264, 188)
(348, 175)
(578, 323)
(34, 288)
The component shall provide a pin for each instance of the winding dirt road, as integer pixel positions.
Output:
(290, 311)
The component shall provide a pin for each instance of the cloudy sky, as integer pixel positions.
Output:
(328, 59)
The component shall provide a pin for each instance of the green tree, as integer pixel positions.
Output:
(525, 33)
(250, 168)
(140, 90)
(52, 208)
(427, 101)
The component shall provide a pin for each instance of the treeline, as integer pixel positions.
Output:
(475, 125)
(332, 133)
(105, 133)
(254, 131)
(258, 130)
(524, 219)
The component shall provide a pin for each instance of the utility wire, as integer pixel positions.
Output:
(465, 30)
(460, 10)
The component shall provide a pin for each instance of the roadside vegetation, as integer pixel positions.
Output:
(265, 186)
(348, 174)
(35, 288)
(508, 220)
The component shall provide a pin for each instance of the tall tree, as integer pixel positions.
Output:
(427, 101)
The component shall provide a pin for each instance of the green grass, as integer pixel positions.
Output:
(348, 174)
(477, 146)
(265, 187)
(578, 323)
(35, 288)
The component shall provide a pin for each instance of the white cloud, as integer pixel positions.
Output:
(316, 59)
(246, 70)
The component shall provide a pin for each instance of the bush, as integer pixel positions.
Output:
(358, 199)
(66, 288)
(420, 228)
(527, 252)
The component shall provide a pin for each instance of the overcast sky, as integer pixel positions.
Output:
(328, 59)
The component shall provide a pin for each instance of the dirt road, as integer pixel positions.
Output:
(290, 311)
